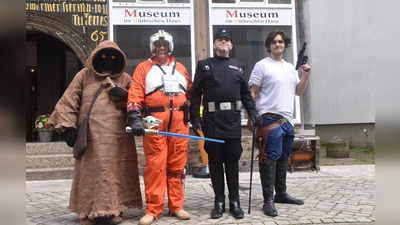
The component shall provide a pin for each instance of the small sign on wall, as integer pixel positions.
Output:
(240, 16)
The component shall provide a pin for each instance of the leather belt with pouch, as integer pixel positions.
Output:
(213, 106)
(276, 116)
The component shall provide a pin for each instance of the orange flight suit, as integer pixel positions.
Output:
(165, 156)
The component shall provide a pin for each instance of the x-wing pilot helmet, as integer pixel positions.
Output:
(161, 36)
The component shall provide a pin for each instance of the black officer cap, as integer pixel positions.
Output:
(223, 33)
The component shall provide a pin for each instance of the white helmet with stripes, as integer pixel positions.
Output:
(161, 35)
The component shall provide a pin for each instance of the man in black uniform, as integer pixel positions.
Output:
(221, 82)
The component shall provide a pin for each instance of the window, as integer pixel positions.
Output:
(134, 42)
(248, 44)
(251, 1)
(254, 1)
(280, 1)
(249, 27)
(223, 1)
(153, 1)
(178, 1)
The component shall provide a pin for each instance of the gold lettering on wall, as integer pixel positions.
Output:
(98, 35)
(87, 19)
(88, 13)
(83, 13)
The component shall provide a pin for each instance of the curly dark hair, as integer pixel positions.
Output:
(285, 36)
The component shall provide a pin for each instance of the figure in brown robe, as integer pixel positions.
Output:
(106, 179)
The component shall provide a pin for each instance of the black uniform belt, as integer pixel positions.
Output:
(162, 109)
(213, 106)
(273, 115)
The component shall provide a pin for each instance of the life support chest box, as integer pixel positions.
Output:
(171, 84)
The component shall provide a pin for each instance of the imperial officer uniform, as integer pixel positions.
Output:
(220, 81)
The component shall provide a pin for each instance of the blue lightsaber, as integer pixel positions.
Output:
(128, 129)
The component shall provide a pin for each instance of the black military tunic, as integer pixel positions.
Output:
(221, 79)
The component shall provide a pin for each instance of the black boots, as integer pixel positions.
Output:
(280, 185)
(267, 176)
(219, 207)
(217, 180)
(232, 179)
(234, 207)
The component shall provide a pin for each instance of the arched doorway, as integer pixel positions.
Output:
(55, 52)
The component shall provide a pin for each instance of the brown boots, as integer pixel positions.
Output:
(181, 214)
(146, 220)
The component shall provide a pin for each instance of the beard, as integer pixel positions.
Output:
(222, 49)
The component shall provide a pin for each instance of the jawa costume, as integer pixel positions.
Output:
(161, 91)
(106, 179)
(220, 81)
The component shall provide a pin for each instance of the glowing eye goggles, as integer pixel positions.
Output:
(104, 56)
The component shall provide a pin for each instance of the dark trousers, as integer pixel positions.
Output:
(225, 157)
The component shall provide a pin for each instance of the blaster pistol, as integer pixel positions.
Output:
(301, 58)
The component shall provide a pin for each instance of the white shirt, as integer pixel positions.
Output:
(277, 87)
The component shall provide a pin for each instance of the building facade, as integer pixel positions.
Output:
(344, 70)
(61, 34)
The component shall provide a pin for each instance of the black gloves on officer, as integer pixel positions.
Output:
(70, 136)
(134, 118)
(256, 120)
(118, 92)
(197, 125)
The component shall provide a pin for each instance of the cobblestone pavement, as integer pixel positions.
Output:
(335, 195)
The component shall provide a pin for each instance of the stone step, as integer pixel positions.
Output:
(49, 161)
(38, 148)
(50, 173)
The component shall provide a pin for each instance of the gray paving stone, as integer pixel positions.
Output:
(335, 195)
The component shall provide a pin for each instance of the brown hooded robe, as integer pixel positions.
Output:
(106, 179)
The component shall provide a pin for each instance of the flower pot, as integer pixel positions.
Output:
(45, 135)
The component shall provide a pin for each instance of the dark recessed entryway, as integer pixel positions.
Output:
(50, 67)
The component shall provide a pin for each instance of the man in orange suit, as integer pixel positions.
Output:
(161, 87)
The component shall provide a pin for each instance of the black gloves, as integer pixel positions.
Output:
(196, 125)
(70, 136)
(256, 120)
(134, 118)
(118, 92)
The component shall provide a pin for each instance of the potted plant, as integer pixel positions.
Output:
(45, 132)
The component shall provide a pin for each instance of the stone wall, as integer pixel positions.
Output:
(356, 135)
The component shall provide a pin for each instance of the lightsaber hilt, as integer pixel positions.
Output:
(128, 129)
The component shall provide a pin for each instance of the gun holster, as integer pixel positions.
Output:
(261, 139)
(186, 112)
(146, 111)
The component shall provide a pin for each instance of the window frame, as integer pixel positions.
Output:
(187, 10)
(256, 7)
